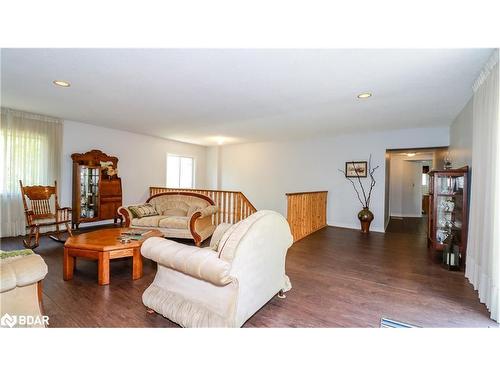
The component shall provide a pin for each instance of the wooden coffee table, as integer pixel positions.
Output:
(104, 245)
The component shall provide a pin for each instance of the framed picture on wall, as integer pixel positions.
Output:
(356, 168)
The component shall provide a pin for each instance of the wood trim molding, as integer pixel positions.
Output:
(94, 158)
(205, 197)
(125, 215)
(192, 228)
(153, 189)
(307, 192)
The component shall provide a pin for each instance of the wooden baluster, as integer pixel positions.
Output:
(237, 208)
(219, 206)
(226, 214)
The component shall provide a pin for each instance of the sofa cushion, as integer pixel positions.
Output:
(144, 210)
(175, 212)
(148, 221)
(174, 222)
(165, 205)
(162, 203)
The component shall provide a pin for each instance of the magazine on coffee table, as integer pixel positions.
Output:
(137, 232)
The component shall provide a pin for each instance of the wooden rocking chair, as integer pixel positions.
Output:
(39, 213)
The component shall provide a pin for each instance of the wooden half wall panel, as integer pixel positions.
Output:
(306, 212)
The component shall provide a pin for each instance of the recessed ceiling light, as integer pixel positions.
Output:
(410, 154)
(60, 83)
(364, 95)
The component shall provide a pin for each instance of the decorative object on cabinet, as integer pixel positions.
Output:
(447, 221)
(41, 207)
(108, 169)
(365, 216)
(447, 161)
(97, 189)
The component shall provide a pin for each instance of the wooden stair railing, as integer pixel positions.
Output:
(306, 212)
(233, 205)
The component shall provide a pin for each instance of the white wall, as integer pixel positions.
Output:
(461, 138)
(142, 159)
(213, 169)
(266, 171)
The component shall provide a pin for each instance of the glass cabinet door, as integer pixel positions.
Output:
(89, 192)
(449, 198)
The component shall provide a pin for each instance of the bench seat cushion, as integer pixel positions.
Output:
(175, 222)
(148, 221)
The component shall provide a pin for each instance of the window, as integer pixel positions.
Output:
(180, 172)
(25, 156)
(30, 150)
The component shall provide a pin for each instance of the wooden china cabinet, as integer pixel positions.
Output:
(97, 189)
(447, 223)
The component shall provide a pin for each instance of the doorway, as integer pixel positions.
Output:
(407, 187)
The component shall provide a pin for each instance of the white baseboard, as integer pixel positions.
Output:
(405, 215)
(373, 228)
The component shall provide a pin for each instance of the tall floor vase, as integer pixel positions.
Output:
(365, 217)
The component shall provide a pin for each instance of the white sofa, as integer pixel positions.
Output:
(21, 273)
(225, 284)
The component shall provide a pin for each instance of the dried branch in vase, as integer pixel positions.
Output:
(365, 216)
(363, 197)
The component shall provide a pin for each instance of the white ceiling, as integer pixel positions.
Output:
(242, 95)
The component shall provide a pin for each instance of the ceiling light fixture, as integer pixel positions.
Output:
(61, 83)
(410, 154)
(365, 95)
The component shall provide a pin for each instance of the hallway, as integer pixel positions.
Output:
(408, 225)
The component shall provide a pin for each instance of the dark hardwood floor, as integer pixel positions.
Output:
(340, 278)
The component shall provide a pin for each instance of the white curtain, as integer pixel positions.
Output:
(31, 152)
(483, 246)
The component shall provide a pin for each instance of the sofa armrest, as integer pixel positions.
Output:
(208, 211)
(217, 235)
(199, 221)
(23, 271)
(202, 264)
(126, 214)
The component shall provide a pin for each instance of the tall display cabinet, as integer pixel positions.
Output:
(447, 226)
(97, 189)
